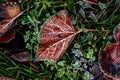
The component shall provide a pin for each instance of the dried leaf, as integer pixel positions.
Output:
(9, 11)
(56, 35)
(109, 59)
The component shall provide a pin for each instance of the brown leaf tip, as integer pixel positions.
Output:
(9, 10)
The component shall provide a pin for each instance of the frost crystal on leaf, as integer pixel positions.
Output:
(56, 35)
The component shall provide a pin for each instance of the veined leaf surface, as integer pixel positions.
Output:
(56, 35)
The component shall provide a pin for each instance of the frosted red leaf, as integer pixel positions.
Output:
(109, 59)
(56, 35)
(9, 11)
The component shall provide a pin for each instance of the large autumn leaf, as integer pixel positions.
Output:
(9, 11)
(56, 35)
(109, 59)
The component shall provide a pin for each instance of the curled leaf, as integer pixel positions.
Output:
(9, 11)
(109, 59)
(56, 35)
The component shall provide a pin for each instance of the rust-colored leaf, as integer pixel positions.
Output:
(56, 35)
(109, 59)
(9, 11)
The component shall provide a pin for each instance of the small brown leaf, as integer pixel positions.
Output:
(56, 35)
(21, 57)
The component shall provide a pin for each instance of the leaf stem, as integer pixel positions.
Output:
(89, 30)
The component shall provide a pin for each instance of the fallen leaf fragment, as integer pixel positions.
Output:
(9, 11)
(94, 1)
(107, 78)
(21, 57)
(5, 78)
(56, 35)
(8, 36)
(109, 59)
